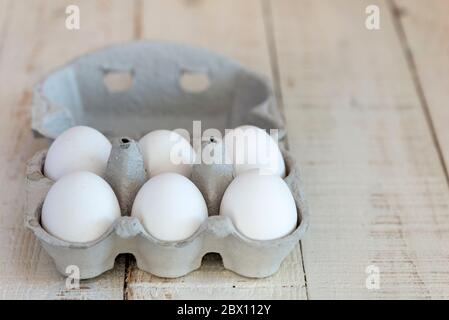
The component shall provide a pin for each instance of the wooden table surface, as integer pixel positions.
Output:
(367, 115)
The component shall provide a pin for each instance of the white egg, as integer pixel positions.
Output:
(170, 207)
(166, 151)
(77, 149)
(249, 147)
(260, 206)
(80, 207)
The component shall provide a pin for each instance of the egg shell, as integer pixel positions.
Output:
(170, 207)
(79, 207)
(261, 206)
(79, 148)
(166, 151)
(249, 147)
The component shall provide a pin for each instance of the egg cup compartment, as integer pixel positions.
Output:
(127, 91)
(217, 234)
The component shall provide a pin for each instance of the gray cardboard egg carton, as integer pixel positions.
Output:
(76, 94)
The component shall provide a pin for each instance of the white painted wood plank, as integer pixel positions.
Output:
(33, 41)
(236, 29)
(377, 191)
(212, 281)
(233, 28)
(426, 28)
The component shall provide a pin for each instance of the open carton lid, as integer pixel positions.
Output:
(132, 89)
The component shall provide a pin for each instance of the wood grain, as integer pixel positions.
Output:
(377, 190)
(34, 40)
(366, 113)
(236, 29)
(233, 28)
(425, 30)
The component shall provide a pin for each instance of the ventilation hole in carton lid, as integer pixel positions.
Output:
(194, 82)
(118, 81)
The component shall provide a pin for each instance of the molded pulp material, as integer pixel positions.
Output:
(76, 94)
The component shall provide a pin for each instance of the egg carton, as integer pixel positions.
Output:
(77, 94)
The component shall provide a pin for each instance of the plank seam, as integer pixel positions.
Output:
(138, 12)
(127, 273)
(267, 14)
(396, 14)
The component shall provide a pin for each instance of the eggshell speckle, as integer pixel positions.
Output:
(260, 206)
(79, 207)
(249, 147)
(166, 151)
(77, 149)
(170, 207)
